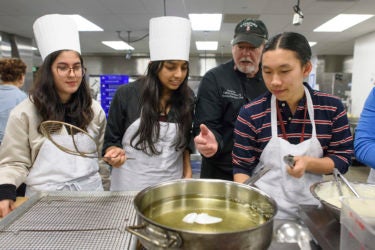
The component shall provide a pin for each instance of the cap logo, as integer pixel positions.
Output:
(249, 25)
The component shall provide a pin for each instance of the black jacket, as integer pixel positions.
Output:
(221, 94)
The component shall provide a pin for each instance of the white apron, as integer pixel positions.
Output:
(55, 170)
(145, 170)
(287, 190)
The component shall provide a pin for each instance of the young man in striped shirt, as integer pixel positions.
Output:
(291, 118)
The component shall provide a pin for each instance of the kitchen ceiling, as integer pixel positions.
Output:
(118, 17)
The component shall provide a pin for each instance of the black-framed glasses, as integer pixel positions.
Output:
(64, 70)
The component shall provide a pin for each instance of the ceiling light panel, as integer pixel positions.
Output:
(312, 44)
(205, 22)
(206, 45)
(118, 45)
(342, 22)
(85, 25)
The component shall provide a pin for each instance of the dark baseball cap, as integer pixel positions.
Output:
(252, 31)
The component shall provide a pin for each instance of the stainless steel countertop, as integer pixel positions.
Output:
(11, 226)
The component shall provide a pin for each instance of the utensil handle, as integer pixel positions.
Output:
(348, 184)
(338, 183)
(257, 176)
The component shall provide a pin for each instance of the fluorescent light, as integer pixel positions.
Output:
(5, 48)
(205, 22)
(85, 25)
(206, 45)
(118, 45)
(26, 47)
(342, 22)
(312, 43)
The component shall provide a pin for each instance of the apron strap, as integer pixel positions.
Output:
(310, 108)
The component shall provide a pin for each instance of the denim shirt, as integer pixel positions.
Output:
(10, 96)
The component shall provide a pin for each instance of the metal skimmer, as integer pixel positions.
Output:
(70, 220)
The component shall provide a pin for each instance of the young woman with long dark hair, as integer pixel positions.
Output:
(60, 93)
(150, 119)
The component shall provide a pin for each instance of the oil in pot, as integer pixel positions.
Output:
(236, 216)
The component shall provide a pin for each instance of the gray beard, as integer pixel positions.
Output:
(247, 69)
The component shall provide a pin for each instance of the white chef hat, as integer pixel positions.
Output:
(169, 38)
(55, 32)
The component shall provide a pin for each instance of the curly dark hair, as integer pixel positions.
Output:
(181, 102)
(43, 94)
(12, 69)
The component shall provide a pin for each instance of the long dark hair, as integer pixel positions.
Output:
(181, 103)
(43, 94)
(291, 41)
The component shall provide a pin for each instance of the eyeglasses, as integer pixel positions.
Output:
(64, 70)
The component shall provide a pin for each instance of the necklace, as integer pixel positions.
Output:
(280, 119)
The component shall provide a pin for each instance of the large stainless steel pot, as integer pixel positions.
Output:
(209, 195)
(328, 195)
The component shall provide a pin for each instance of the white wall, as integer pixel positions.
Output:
(363, 71)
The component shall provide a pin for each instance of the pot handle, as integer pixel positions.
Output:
(168, 239)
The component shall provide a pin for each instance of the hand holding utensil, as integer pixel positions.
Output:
(289, 160)
(71, 139)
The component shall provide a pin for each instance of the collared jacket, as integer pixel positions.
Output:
(22, 141)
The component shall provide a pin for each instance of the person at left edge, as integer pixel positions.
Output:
(290, 118)
(12, 72)
(59, 93)
(151, 119)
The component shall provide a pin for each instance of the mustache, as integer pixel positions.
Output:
(246, 59)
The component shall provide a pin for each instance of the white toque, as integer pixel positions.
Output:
(55, 32)
(169, 38)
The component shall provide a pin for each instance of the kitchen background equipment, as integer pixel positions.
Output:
(205, 195)
(81, 143)
(70, 220)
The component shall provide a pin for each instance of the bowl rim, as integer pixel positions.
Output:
(330, 206)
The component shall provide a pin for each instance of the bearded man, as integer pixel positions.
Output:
(222, 92)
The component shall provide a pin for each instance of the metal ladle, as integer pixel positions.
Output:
(336, 174)
(293, 232)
